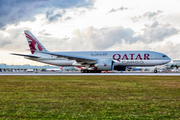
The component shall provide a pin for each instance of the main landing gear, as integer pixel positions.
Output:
(90, 71)
(155, 70)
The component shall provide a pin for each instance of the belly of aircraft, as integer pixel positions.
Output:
(140, 62)
(121, 63)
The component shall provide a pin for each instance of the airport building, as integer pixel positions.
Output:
(176, 62)
(11, 68)
(26, 67)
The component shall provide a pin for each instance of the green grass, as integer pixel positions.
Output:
(89, 97)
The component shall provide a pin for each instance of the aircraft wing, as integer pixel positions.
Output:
(32, 56)
(70, 57)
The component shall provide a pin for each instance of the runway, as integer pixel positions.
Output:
(86, 74)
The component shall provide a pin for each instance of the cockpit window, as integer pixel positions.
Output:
(164, 56)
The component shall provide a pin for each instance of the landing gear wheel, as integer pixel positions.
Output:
(90, 71)
(155, 71)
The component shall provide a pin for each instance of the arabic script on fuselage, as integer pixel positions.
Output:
(98, 54)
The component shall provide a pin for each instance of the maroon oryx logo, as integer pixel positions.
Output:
(105, 64)
(33, 44)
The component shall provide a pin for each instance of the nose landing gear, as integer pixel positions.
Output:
(155, 70)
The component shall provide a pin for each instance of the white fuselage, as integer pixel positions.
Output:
(121, 58)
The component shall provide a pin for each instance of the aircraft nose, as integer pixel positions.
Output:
(168, 60)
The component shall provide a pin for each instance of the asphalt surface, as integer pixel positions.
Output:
(93, 74)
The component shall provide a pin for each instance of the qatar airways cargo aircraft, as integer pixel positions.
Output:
(93, 61)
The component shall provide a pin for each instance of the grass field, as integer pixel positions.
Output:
(89, 97)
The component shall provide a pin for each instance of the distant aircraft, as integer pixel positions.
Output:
(55, 69)
(98, 60)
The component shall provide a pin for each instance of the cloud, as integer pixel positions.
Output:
(150, 15)
(93, 38)
(43, 32)
(158, 32)
(52, 17)
(136, 18)
(67, 18)
(4, 42)
(104, 38)
(170, 49)
(14, 11)
(101, 39)
(88, 39)
(121, 9)
(14, 40)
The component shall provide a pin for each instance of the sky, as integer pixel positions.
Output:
(89, 25)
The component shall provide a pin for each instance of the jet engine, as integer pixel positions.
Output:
(105, 64)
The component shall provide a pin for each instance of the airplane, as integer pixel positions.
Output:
(98, 60)
(55, 69)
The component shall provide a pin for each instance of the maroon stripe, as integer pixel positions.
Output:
(30, 37)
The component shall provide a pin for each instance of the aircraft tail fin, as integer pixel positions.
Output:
(34, 44)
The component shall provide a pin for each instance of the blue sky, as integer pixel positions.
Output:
(83, 25)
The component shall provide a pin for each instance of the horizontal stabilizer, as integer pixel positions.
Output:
(32, 56)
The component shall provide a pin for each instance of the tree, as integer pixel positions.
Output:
(176, 67)
(172, 66)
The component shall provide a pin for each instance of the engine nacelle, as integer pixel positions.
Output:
(105, 64)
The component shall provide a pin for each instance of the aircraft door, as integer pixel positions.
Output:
(151, 57)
